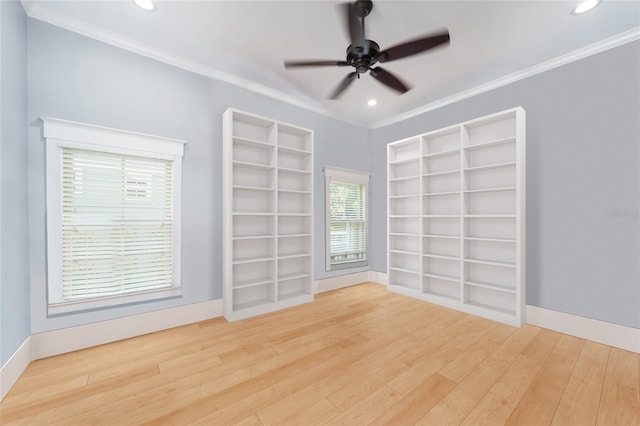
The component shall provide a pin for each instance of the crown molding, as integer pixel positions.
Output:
(36, 11)
(43, 14)
(592, 49)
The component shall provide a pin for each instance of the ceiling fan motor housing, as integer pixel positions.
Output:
(362, 59)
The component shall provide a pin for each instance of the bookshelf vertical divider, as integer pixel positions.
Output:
(456, 216)
(267, 215)
(464, 138)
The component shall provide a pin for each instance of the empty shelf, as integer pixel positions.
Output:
(491, 263)
(491, 143)
(496, 287)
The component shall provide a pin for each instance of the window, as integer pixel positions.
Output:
(346, 200)
(113, 216)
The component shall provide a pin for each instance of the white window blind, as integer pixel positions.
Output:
(347, 222)
(116, 224)
(113, 216)
(346, 216)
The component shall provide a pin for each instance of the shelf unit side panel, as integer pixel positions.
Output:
(227, 207)
(521, 214)
(388, 208)
(464, 163)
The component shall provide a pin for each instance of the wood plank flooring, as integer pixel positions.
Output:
(356, 356)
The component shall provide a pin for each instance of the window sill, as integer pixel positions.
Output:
(106, 302)
(348, 265)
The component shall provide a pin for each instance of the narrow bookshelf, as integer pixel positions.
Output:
(456, 216)
(267, 204)
(404, 186)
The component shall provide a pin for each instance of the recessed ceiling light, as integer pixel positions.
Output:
(148, 5)
(372, 102)
(585, 6)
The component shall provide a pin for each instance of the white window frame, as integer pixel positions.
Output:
(61, 134)
(352, 177)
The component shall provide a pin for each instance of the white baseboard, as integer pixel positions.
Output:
(42, 345)
(619, 336)
(13, 368)
(70, 339)
(342, 281)
(74, 338)
(379, 278)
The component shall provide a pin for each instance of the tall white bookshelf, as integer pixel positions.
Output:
(456, 216)
(268, 222)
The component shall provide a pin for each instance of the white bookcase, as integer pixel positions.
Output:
(267, 204)
(456, 216)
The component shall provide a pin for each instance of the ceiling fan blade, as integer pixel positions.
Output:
(413, 47)
(343, 85)
(291, 64)
(355, 24)
(386, 78)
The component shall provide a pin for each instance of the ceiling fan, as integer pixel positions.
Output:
(363, 54)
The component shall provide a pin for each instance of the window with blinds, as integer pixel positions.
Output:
(347, 228)
(113, 216)
(116, 224)
(346, 217)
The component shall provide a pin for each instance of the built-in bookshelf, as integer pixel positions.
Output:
(267, 204)
(456, 216)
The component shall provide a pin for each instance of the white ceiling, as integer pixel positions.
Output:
(246, 42)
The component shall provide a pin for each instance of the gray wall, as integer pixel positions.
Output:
(14, 226)
(583, 162)
(76, 78)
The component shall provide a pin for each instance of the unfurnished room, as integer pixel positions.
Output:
(311, 212)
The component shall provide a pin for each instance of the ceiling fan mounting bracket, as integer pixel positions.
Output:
(362, 8)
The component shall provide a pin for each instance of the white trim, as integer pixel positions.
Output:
(14, 367)
(55, 342)
(344, 176)
(36, 11)
(53, 231)
(379, 278)
(341, 281)
(327, 224)
(592, 49)
(521, 214)
(61, 134)
(76, 305)
(99, 137)
(347, 175)
(619, 336)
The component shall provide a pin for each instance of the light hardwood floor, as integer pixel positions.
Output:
(355, 356)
